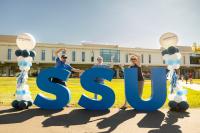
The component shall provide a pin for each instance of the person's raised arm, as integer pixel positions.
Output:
(59, 50)
(122, 67)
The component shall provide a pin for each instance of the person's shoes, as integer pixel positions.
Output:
(123, 108)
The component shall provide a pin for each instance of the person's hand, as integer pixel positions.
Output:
(121, 65)
(138, 63)
(135, 54)
(81, 72)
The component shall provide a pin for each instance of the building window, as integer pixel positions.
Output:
(142, 56)
(9, 54)
(110, 54)
(195, 59)
(43, 55)
(53, 55)
(83, 56)
(126, 58)
(149, 58)
(92, 56)
(73, 56)
(163, 61)
(184, 59)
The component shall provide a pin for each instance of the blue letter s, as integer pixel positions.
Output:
(88, 83)
(62, 93)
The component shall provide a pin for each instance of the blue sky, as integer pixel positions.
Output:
(135, 23)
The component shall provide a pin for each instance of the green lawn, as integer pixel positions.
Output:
(8, 87)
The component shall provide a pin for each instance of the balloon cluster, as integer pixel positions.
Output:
(172, 57)
(25, 55)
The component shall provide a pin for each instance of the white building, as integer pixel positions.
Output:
(84, 55)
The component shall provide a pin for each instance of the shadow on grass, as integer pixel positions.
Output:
(15, 116)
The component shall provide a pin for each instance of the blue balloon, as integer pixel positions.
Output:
(172, 50)
(178, 61)
(183, 106)
(164, 52)
(25, 53)
(173, 62)
(18, 52)
(24, 63)
(15, 104)
(32, 54)
(173, 105)
(181, 92)
(170, 62)
(23, 104)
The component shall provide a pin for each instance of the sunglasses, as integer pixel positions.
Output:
(64, 57)
(133, 59)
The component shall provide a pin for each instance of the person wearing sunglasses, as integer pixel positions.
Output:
(135, 63)
(100, 64)
(62, 63)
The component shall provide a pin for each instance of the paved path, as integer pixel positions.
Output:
(75, 120)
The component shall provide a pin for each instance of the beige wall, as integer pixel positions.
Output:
(156, 58)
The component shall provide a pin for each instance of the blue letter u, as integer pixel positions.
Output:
(158, 88)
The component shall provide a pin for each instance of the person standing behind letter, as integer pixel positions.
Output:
(100, 64)
(135, 63)
(61, 63)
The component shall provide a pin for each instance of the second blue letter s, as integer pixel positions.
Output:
(62, 93)
(89, 84)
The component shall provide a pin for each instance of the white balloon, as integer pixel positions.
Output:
(25, 41)
(170, 67)
(177, 66)
(20, 58)
(173, 67)
(168, 39)
(178, 55)
(171, 97)
(28, 59)
(173, 56)
(27, 68)
(179, 99)
(166, 57)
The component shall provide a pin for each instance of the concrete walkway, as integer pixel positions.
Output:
(75, 120)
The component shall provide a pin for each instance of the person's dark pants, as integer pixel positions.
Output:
(56, 80)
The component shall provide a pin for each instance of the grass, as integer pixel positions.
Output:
(8, 87)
